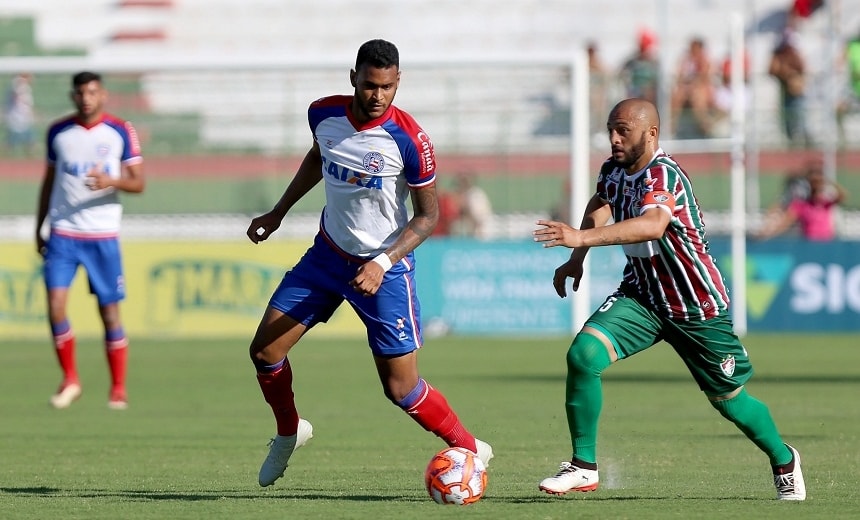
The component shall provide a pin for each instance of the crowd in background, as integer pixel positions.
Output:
(698, 87)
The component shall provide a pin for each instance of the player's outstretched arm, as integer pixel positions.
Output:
(308, 175)
(649, 226)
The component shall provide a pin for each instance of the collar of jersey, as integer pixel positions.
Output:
(368, 124)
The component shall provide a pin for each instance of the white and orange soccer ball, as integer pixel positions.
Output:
(455, 476)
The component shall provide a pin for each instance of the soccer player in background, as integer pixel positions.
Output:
(91, 157)
(370, 156)
(671, 291)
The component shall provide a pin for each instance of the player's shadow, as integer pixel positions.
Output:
(136, 495)
(293, 494)
(681, 377)
(616, 498)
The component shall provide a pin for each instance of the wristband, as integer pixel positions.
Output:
(384, 261)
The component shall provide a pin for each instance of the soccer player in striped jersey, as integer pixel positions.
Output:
(92, 156)
(671, 291)
(371, 156)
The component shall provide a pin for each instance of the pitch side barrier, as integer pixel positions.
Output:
(467, 287)
(505, 287)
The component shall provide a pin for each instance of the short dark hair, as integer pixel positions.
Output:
(378, 53)
(82, 78)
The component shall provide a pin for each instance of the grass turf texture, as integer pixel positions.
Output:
(195, 434)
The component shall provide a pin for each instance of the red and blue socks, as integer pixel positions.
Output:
(64, 347)
(428, 407)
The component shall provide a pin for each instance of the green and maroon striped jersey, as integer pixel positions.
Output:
(675, 273)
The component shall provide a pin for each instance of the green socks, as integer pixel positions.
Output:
(753, 418)
(586, 359)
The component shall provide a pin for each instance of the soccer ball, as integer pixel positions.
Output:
(455, 476)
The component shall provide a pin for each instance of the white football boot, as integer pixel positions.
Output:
(485, 452)
(66, 395)
(280, 450)
(790, 486)
(569, 478)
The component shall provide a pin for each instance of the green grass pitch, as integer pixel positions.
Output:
(191, 443)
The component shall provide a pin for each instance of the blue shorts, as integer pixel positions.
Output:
(319, 282)
(100, 257)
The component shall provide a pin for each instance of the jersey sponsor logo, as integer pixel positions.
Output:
(426, 152)
(374, 162)
(347, 175)
(728, 366)
(133, 139)
(81, 169)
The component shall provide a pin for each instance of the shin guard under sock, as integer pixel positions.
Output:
(64, 347)
(753, 418)
(276, 382)
(116, 350)
(428, 407)
(586, 359)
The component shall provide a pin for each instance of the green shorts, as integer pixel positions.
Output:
(710, 348)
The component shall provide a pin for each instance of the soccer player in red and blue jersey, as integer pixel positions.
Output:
(371, 156)
(91, 157)
(671, 291)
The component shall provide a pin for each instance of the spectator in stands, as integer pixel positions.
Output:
(693, 92)
(561, 210)
(554, 105)
(811, 208)
(796, 186)
(850, 101)
(640, 74)
(805, 8)
(476, 211)
(852, 57)
(449, 212)
(599, 89)
(724, 98)
(788, 66)
(19, 114)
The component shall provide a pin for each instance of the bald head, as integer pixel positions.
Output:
(634, 128)
(636, 109)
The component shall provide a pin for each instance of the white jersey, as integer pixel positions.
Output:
(74, 150)
(368, 170)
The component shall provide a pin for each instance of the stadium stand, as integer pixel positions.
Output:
(203, 105)
(297, 32)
